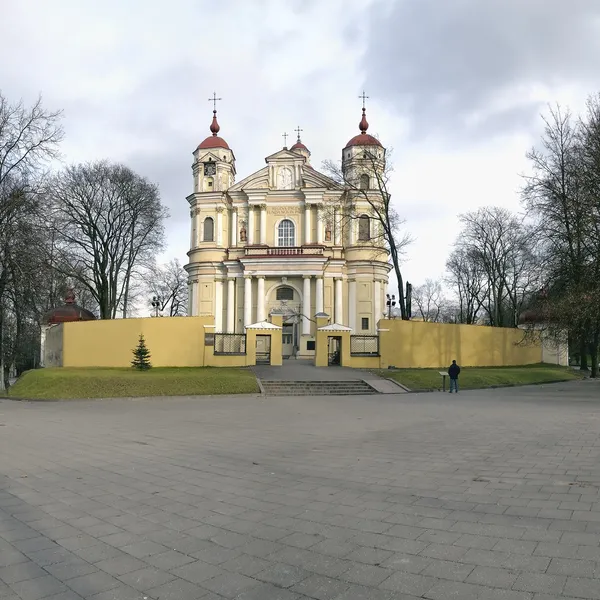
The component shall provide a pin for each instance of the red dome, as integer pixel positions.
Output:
(299, 146)
(69, 312)
(213, 141)
(363, 139)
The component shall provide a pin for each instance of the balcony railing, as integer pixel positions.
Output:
(285, 251)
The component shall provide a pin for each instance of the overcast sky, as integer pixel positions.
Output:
(456, 89)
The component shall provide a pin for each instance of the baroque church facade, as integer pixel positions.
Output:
(287, 239)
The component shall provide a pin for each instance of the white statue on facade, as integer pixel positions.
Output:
(285, 179)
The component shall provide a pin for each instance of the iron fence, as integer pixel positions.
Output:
(230, 343)
(364, 345)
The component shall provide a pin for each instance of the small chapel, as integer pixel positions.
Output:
(287, 240)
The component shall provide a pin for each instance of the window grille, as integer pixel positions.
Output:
(364, 345)
(230, 343)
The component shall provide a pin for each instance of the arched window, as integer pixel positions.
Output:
(209, 230)
(284, 293)
(364, 228)
(286, 233)
(364, 182)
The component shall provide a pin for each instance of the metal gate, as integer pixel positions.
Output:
(334, 350)
(263, 349)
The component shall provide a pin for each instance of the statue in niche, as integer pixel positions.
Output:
(243, 231)
(328, 231)
(285, 179)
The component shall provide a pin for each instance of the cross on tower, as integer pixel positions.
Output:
(284, 136)
(298, 130)
(364, 97)
(214, 100)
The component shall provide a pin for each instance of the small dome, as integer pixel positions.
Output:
(213, 141)
(299, 146)
(69, 312)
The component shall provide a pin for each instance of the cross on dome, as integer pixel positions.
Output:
(364, 97)
(298, 131)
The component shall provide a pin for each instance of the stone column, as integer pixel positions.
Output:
(306, 309)
(218, 306)
(231, 305)
(263, 224)
(376, 303)
(260, 301)
(337, 227)
(234, 226)
(307, 223)
(319, 295)
(219, 236)
(250, 232)
(339, 304)
(247, 300)
(352, 304)
(319, 225)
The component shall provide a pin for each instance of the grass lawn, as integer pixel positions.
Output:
(419, 380)
(66, 384)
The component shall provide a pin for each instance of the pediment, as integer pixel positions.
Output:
(284, 154)
(257, 180)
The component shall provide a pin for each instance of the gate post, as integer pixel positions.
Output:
(276, 341)
(321, 341)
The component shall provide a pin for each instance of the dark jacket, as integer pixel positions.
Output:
(454, 371)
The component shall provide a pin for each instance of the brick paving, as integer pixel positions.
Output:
(485, 495)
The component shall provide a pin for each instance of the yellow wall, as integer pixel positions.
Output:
(413, 344)
(172, 341)
(179, 342)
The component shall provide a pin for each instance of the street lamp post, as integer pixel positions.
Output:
(391, 302)
(155, 305)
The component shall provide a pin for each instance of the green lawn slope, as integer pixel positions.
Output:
(66, 383)
(419, 380)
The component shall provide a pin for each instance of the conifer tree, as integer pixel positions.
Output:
(141, 356)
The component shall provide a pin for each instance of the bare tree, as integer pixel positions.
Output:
(108, 219)
(365, 195)
(499, 247)
(555, 195)
(430, 301)
(168, 283)
(29, 139)
(465, 276)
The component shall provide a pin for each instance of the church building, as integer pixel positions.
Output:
(289, 240)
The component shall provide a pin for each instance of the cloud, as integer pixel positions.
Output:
(443, 62)
(455, 86)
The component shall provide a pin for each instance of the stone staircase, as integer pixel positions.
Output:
(317, 388)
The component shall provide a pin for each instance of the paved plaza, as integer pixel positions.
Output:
(486, 495)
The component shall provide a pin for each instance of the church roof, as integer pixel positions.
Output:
(69, 312)
(363, 138)
(213, 141)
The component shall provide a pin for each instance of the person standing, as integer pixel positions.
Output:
(453, 373)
